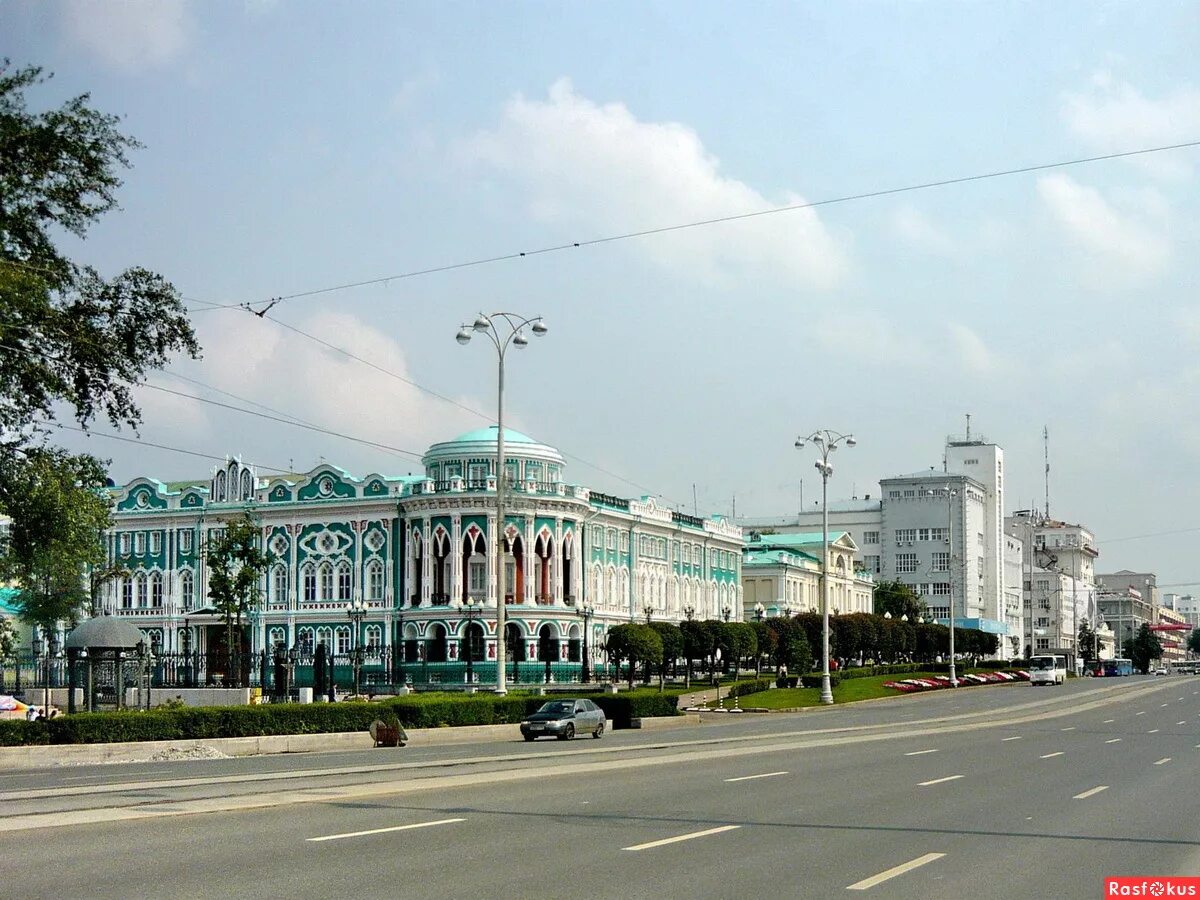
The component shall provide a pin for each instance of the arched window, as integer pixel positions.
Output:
(278, 637)
(305, 639)
(247, 485)
(514, 642)
(345, 581)
(154, 639)
(343, 639)
(326, 581)
(325, 636)
(141, 589)
(156, 591)
(373, 638)
(374, 580)
(126, 593)
(473, 642)
(279, 585)
(310, 583)
(435, 650)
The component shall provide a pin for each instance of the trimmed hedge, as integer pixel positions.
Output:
(813, 679)
(754, 686)
(414, 711)
(20, 733)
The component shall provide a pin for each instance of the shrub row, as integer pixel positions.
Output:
(415, 711)
(754, 686)
(813, 679)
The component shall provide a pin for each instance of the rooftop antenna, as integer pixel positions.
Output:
(968, 428)
(802, 495)
(695, 505)
(1046, 446)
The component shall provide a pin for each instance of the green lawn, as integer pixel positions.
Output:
(848, 691)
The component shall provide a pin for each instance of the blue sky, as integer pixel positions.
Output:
(292, 146)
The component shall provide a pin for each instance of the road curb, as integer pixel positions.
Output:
(53, 755)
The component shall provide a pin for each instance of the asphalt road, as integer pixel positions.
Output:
(1006, 792)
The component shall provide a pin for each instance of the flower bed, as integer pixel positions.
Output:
(936, 682)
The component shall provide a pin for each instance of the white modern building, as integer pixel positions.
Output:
(905, 534)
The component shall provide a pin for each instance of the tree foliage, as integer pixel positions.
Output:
(67, 334)
(1143, 648)
(634, 642)
(1086, 642)
(897, 598)
(235, 568)
(59, 513)
(1193, 641)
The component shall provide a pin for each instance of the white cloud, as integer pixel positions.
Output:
(128, 34)
(914, 228)
(599, 167)
(1113, 116)
(973, 354)
(258, 360)
(1119, 242)
(873, 338)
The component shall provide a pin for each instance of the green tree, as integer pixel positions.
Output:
(897, 598)
(1143, 649)
(1086, 642)
(235, 569)
(698, 642)
(636, 643)
(59, 512)
(767, 639)
(1193, 641)
(672, 643)
(8, 638)
(67, 334)
(794, 652)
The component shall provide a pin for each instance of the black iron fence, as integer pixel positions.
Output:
(282, 673)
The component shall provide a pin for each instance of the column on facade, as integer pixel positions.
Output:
(528, 555)
(295, 588)
(358, 570)
(427, 564)
(456, 557)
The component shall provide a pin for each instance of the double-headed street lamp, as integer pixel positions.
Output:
(759, 612)
(505, 330)
(356, 611)
(826, 442)
(648, 612)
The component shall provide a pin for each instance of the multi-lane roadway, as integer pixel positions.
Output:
(1006, 791)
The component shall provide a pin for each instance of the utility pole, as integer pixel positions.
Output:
(1046, 452)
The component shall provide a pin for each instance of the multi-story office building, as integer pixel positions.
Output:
(1125, 610)
(1187, 605)
(906, 534)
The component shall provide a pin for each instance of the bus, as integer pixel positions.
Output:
(1183, 666)
(1109, 667)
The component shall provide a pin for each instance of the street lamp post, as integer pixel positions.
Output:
(726, 611)
(648, 612)
(759, 612)
(827, 442)
(515, 337)
(585, 669)
(356, 611)
(950, 495)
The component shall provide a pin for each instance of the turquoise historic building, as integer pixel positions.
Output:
(416, 553)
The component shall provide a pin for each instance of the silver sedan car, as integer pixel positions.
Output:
(564, 719)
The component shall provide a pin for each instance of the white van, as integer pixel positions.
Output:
(1047, 670)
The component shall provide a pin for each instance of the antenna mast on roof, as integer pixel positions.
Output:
(695, 505)
(968, 428)
(1046, 450)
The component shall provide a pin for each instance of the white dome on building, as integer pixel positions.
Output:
(472, 456)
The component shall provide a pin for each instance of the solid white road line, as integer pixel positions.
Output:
(682, 837)
(752, 777)
(1054, 754)
(919, 752)
(1089, 793)
(1163, 761)
(940, 780)
(350, 834)
(1015, 738)
(867, 883)
(1113, 741)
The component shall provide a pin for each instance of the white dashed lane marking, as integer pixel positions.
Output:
(351, 834)
(1090, 793)
(752, 777)
(1163, 761)
(939, 780)
(919, 752)
(888, 874)
(683, 837)
(1113, 741)
(1052, 755)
